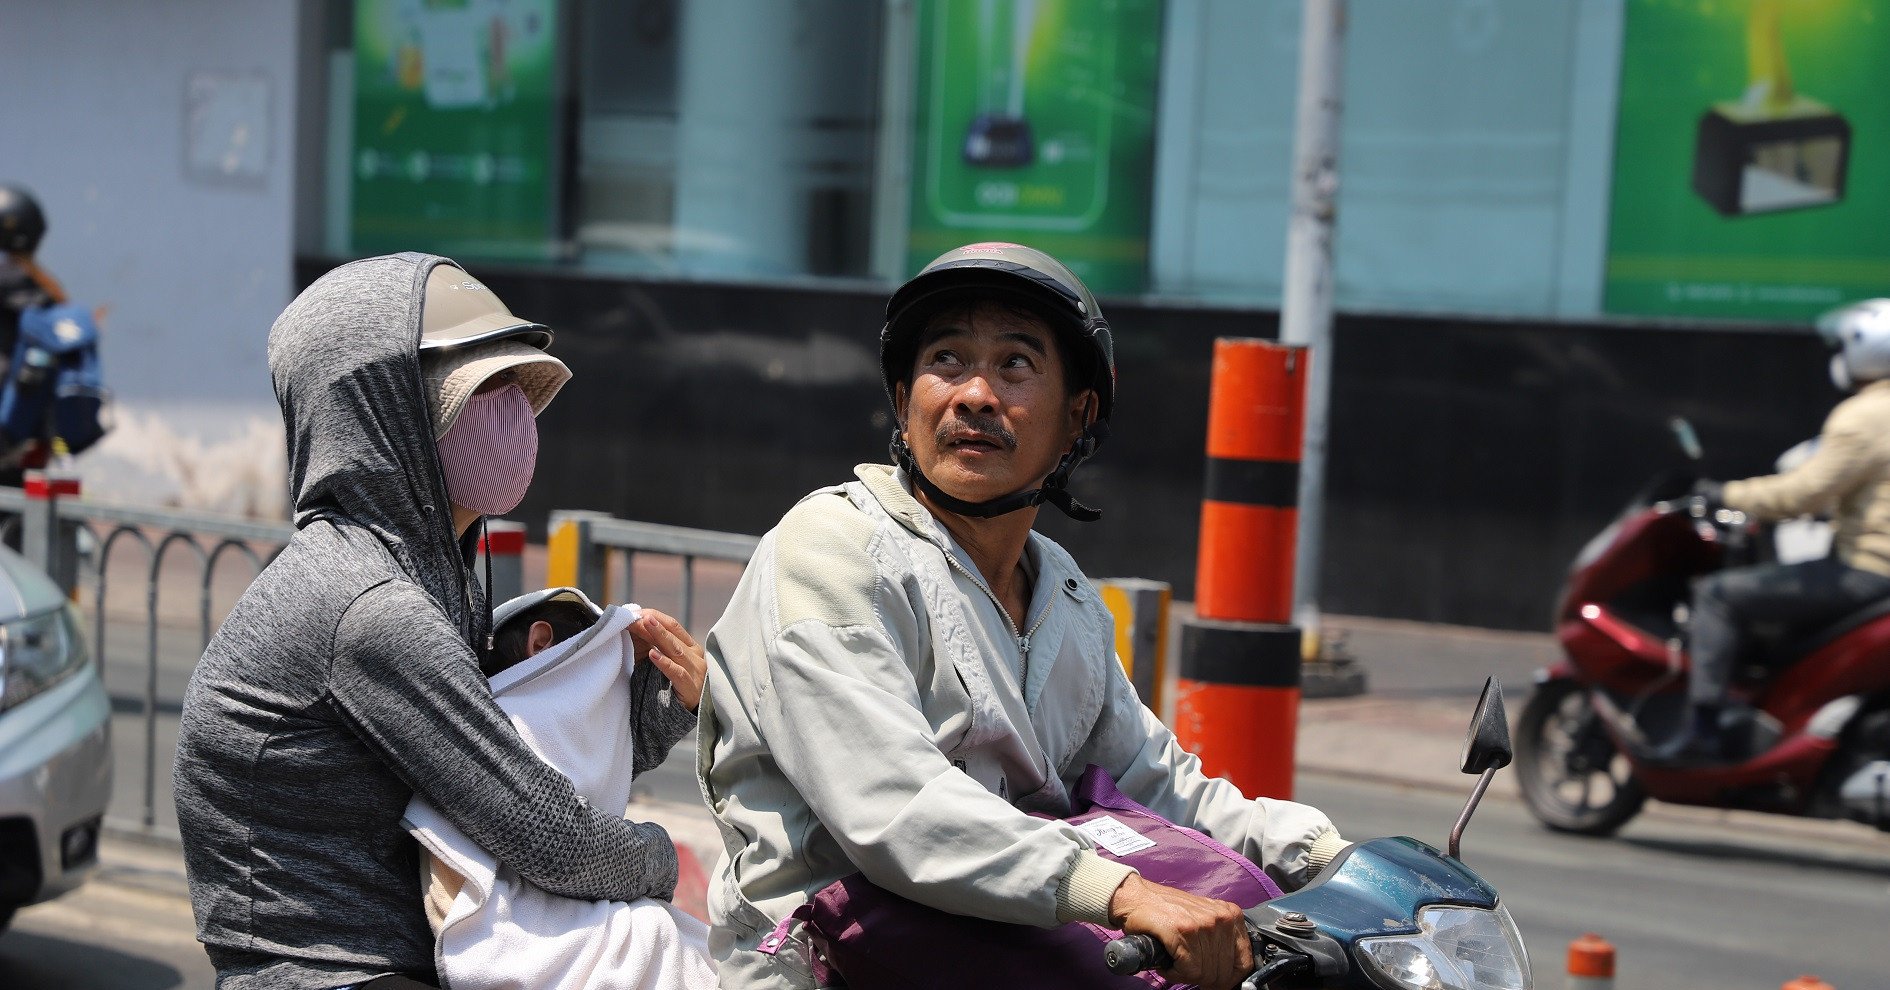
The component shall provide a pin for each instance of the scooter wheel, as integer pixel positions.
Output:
(1572, 777)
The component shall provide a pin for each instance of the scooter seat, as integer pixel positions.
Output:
(1790, 649)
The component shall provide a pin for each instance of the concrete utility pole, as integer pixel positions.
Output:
(1306, 304)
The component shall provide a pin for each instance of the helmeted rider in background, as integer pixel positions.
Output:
(908, 670)
(52, 394)
(1847, 477)
(23, 284)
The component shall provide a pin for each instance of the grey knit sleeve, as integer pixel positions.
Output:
(659, 721)
(410, 688)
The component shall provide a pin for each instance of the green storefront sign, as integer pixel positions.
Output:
(454, 127)
(1750, 153)
(1036, 123)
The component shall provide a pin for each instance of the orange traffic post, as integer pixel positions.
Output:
(1807, 983)
(1590, 963)
(1237, 693)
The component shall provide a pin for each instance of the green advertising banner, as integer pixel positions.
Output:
(454, 127)
(1035, 122)
(1750, 152)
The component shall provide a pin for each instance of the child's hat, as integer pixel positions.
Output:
(530, 600)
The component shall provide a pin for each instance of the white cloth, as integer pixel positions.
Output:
(572, 705)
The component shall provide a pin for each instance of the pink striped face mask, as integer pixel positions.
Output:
(489, 453)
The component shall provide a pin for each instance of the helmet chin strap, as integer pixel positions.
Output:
(1054, 491)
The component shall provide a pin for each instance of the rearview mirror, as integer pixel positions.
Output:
(1486, 746)
(1689, 441)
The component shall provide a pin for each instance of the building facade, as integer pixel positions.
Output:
(1561, 224)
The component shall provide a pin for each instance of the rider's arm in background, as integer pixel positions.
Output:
(1283, 837)
(1851, 448)
(411, 689)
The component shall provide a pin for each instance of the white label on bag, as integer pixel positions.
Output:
(1117, 838)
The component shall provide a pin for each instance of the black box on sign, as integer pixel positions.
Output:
(1745, 163)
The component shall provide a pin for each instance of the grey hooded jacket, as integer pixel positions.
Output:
(343, 681)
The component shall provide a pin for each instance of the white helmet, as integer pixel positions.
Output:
(1860, 333)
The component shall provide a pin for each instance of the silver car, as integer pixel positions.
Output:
(55, 741)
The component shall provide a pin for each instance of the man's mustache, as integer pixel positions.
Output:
(983, 427)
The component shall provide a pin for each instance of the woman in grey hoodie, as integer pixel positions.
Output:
(347, 677)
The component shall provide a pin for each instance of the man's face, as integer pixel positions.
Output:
(988, 412)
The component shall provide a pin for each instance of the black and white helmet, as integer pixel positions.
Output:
(22, 223)
(1860, 333)
(1031, 278)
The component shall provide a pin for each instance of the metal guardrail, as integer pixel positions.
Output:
(580, 545)
(74, 541)
(159, 532)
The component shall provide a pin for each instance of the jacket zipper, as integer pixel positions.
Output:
(1021, 638)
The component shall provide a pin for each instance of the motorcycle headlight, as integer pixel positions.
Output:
(36, 653)
(1456, 948)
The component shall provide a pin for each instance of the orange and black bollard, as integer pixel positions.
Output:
(1237, 694)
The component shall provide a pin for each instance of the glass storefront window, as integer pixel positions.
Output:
(711, 138)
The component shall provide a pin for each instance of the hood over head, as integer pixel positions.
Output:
(344, 357)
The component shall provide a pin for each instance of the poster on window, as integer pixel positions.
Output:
(1750, 147)
(455, 127)
(1035, 123)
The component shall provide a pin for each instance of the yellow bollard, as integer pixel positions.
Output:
(561, 555)
(1140, 608)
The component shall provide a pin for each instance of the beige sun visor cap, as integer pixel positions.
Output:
(467, 335)
(460, 310)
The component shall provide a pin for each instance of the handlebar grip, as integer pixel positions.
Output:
(1132, 954)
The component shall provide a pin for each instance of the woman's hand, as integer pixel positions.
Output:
(674, 652)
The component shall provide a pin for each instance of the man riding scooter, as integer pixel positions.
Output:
(1848, 477)
(908, 670)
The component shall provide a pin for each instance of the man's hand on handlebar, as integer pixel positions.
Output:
(1207, 938)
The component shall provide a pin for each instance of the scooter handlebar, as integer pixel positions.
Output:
(1132, 954)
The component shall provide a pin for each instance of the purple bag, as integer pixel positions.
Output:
(866, 938)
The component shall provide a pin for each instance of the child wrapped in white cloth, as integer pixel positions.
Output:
(574, 704)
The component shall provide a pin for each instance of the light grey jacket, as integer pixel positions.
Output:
(871, 708)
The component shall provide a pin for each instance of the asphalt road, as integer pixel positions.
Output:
(1690, 905)
(128, 928)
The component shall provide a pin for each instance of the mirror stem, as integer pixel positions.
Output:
(1469, 808)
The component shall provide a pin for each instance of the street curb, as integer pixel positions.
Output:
(1829, 830)
(1341, 677)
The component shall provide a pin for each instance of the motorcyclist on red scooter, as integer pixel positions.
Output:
(1848, 477)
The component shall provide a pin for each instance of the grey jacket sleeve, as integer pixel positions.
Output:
(411, 689)
(1284, 838)
(658, 720)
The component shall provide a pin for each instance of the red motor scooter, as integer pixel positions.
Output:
(1811, 733)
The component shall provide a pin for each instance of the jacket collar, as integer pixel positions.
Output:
(889, 488)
